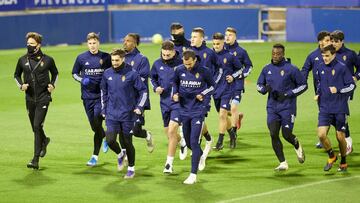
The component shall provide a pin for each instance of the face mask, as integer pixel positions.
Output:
(31, 49)
(178, 37)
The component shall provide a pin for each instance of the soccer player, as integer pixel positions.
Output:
(192, 83)
(228, 69)
(335, 84)
(35, 67)
(207, 58)
(139, 63)
(121, 103)
(350, 59)
(162, 76)
(239, 52)
(283, 82)
(314, 59)
(88, 69)
(178, 37)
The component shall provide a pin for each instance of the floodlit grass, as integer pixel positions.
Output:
(241, 175)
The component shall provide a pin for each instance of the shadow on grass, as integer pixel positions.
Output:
(189, 193)
(97, 170)
(35, 178)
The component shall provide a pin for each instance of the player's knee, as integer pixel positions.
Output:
(111, 138)
(286, 132)
(137, 129)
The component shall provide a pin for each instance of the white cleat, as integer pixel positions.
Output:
(207, 148)
(300, 154)
(282, 167)
(168, 169)
(191, 179)
(202, 163)
(149, 142)
(183, 153)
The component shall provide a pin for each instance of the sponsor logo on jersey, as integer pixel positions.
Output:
(225, 60)
(344, 57)
(101, 61)
(333, 72)
(235, 53)
(183, 75)
(87, 63)
(132, 63)
(204, 55)
(42, 63)
(161, 68)
(282, 72)
(123, 78)
(110, 78)
(269, 73)
(317, 58)
(197, 75)
(198, 122)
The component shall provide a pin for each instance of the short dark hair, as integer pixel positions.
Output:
(279, 46)
(337, 35)
(199, 30)
(330, 48)
(93, 35)
(175, 26)
(36, 36)
(167, 45)
(118, 52)
(231, 29)
(135, 36)
(322, 34)
(189, 54)
(218, 35)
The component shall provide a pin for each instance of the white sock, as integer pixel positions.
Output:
(170, 160)
(131, 168)
(148, 136)
(95, 156)
(348, 141)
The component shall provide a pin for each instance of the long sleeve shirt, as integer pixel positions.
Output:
(188, 84)
(283, 78)
(119, 93)
(336, 75)
(92, 66)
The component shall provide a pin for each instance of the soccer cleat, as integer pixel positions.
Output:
(92, 161)
(238, 124)
(202, 163)
(183, 153)
(150, 144)
(129, 174)
(207, 148)
(219, 146)
(319, 145)
(330, 162)
(191, 179)
(121, 161)
(300, 154)
(33, 164)
(44, 145)
(105, 146)
(168, 169)
(342, 168)
(283, 166)
(233, 141)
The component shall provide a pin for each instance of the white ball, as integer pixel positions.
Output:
(157, 38)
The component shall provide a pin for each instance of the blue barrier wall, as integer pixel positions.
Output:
(69, 28)
(302, 25)
(149, 22)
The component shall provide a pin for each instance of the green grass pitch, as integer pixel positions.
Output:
(241, 175)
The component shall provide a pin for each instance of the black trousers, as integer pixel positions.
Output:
(37, 113)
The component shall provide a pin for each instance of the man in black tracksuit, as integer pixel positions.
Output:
(35, 67)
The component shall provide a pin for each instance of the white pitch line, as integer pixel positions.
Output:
(286, 189)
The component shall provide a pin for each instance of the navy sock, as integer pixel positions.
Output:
(330, 153)
(221, 138)
(207, 136)
(343, 160)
